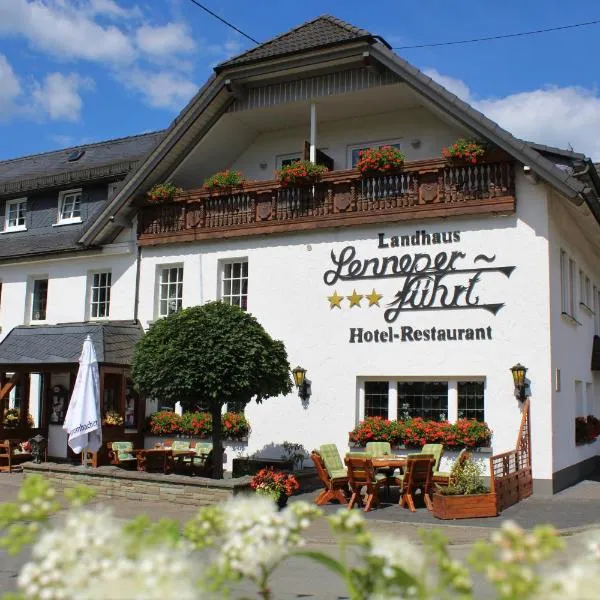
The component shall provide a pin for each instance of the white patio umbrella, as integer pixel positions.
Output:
(83, 421)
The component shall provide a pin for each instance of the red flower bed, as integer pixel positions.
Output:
(233, 425)
(272, 482)
(415, 433)
(380, 160)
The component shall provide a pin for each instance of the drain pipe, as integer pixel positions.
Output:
(136, 301)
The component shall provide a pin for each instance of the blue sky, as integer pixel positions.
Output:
(76, 71)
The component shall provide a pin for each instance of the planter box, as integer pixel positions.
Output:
(464, 507)
(251, 466)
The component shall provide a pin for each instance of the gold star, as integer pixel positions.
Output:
(335, 300)
(355, 299)
(373, 298)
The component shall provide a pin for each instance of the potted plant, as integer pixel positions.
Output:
(112, 419)
(164, 422)
(464, 151)
(466, 497)
(224, 180)
(301, 172)
(12, 416)
(274, 484)
(385, 159)
(235, 426)
(163, 192)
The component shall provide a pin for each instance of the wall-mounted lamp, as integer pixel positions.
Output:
(302, 383)
(518, 373)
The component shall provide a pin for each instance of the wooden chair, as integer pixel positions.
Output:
(121, 454)
(442, 478)
(418, 475)
(11, 456)
(361, 474)
(336, 488)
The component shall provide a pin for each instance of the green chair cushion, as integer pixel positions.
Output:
(331, 458)
(437, 450)
(378, 448)
(122, 446)
(124, 456)
(338, 473)
(203, 448)
(380, 476)
(441, 474)
(179, 445)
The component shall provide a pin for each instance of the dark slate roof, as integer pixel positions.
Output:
(62, 344)
(318, 33)
(106, 159)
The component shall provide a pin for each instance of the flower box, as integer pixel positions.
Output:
(464, 507)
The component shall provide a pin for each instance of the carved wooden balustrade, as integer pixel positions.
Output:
(423, 189)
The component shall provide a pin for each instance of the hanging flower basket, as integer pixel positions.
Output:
(464, 152)
(300, 173)
(163, 192)
(386, 159)
(112, 419)
(224, 181)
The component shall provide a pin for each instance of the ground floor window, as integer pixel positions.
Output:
(431, 400)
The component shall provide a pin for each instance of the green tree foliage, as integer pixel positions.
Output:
(214, 353)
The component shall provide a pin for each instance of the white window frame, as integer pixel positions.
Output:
(13, 202)
(393, 399)
(61, 200)
(365, 145)
(160, 286)
(229, 297)
(91, 287)
(291, 156)
(31, 303)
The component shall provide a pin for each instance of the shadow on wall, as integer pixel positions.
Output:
(285, 450)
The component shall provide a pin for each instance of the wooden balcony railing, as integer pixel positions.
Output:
(423, 189)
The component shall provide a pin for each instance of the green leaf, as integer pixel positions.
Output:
(325, 560)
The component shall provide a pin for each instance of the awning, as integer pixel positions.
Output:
(61, 344)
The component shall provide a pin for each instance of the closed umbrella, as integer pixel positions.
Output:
(83, 421)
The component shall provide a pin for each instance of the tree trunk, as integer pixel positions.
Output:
(217, 462)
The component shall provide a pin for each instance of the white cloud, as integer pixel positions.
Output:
(58, 28)
(166, 40)
(553, 115)
(110, 9)
(163, 89)
(10, 88)
(59, 95)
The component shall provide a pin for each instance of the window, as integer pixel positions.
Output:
(234, 283)
(572, 285)
(170, 294)
(354, 151)
(376, 399)
(587, 289)
(427, 399)
(39, 299)
(16, 212)
(584, 289)
(568, 278)
(470, 400)
(69, 207)
(285, 160)
(100, 295)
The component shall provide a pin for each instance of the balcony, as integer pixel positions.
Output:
(424, 189)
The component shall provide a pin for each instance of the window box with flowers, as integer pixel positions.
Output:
(112, 419)
(224, 181)
(166, 423)
(274, 484)
(163, 192)
(385, 159)
(464, 151)
(299, 173)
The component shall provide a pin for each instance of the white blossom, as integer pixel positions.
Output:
(398, 554)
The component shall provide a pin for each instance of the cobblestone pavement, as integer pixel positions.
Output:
(572, 511)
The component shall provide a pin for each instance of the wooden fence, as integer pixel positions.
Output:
(511, 475)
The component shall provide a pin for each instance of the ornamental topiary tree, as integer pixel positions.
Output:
(216, 353)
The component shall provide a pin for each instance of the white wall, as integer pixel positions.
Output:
(572, 340)
(334, 137)
(289, 297)
(68, 286)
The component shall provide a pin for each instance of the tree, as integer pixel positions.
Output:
(216, 353)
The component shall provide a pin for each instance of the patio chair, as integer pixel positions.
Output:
(336, 488)
(333, 462)
(121, 454)
(11, 455)
(442, 478)
(197, 463)
(361, 474)
(375, 449)
(418, 475)
(437, 450)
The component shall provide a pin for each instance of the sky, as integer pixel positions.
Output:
(77, 71)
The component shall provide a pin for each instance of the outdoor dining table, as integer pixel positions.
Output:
(389, 462)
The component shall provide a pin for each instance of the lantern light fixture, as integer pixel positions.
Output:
(518, 373)
(38, 448)
(302, 383)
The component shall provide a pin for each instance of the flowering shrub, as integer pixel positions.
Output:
(163, 192)
(380, 160)
(273, 483)
(112, 418)
(464, 150)
(587, 429)
(299, 172)
(224, 179)
(466, 477)
(417, 432)
(234, 425)
(164, 422)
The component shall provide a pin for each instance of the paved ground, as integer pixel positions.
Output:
(572, 511)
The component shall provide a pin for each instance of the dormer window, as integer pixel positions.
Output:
(16, 212)
(69, 207)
